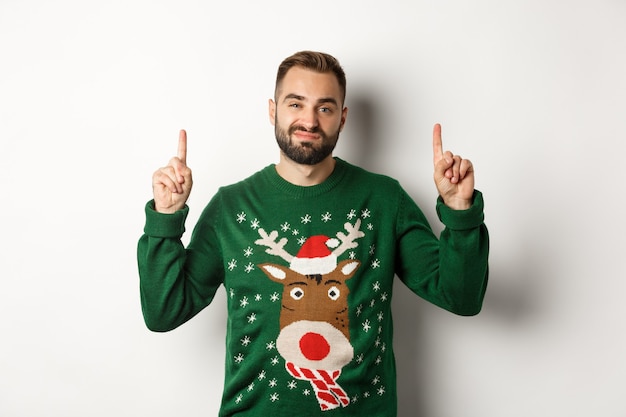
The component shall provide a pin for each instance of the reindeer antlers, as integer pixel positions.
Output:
(274, 248)
(348, 241)
(278, 248)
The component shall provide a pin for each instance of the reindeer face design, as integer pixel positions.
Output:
(314, 316)
(314, 336)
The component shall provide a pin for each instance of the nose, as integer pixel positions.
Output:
(314, 346)
(309, 120)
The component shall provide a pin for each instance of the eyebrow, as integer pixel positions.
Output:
(293, 96)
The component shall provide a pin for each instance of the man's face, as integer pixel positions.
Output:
(308, 115)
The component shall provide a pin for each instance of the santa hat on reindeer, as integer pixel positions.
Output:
(315, 256)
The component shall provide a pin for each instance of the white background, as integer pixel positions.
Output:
(92, 95)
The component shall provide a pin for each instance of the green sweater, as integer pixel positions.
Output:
(309, 273)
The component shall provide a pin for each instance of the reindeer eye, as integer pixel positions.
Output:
(296, 293)
(334, 293)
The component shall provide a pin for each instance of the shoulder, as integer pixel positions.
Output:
(372, 179)
(252, 181)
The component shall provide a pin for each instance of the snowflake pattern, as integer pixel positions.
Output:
(366, 326)
(232, 264)
(370, 357)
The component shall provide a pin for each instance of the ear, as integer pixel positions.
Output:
(348, 267)
(344, 115)
(272, 111)
(275, 272)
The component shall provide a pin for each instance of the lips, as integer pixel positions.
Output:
(302, 135)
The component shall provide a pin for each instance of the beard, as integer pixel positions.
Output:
(305, 153)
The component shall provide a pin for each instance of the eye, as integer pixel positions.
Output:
(334, 293)
(325, 109)
(296, 293)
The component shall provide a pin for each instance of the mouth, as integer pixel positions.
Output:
(306, 136)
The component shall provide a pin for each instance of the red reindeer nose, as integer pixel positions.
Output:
(314, 346)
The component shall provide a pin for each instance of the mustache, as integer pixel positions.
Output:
(304, 129)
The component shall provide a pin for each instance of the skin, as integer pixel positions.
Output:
(312, 101)
(306, 103)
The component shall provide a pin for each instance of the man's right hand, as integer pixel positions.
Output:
(171, 184)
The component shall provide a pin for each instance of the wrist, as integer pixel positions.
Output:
(457, 203)
(166, 209)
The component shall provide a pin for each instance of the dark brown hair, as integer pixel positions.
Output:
(314, 61)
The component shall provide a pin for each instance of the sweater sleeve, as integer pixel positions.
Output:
(176, 283)
(452, 271)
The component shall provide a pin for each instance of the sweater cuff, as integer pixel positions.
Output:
(163, 225)
(462, 219)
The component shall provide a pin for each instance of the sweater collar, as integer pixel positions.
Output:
(298, 191)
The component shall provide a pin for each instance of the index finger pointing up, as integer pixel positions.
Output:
(437, 144)
(182, 146)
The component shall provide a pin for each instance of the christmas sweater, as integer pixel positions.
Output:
(308, 274)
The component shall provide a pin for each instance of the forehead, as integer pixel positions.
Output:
(310, 85)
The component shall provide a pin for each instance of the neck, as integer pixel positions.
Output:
(305, 175)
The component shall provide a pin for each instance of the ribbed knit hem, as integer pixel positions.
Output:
(164, 225)
(462, 219)
(298, 191)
